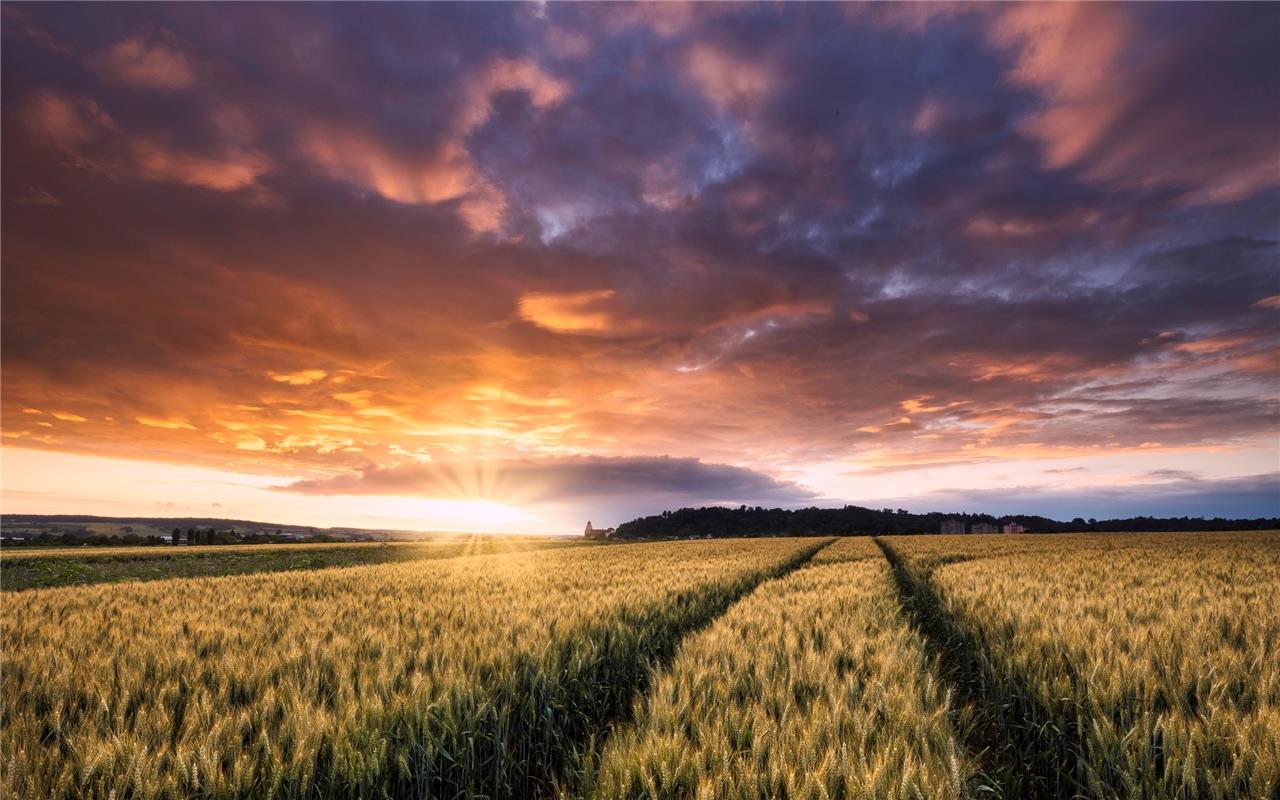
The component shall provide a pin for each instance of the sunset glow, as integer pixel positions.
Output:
(513, 267)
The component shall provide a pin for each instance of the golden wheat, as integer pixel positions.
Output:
(813, 686)
(444, 677)
(1154, 657)
(1112, 666)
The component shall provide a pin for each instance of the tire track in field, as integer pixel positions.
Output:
(1021, 748)
(569, 773)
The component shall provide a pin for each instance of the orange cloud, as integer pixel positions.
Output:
(917, 405)
(149, 60)
(508, 75)
(64, 120)
(1214, 344)
(1070, 53)
(665, 19)
(432, 175)
(576, 312)
(300, 378)
(1034, 370)
(170, 423)
(732, 83)
(1106, 109)
(159, 162)
(483, 209)
(440, 171)
(89, 136)
(1266, 362)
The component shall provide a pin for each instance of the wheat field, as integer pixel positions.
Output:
(811, 687)
(401, 679)
(1099, 666)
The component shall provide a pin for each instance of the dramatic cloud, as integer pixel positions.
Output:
(329, 245)
(686, 481)
(1170, 493)
(62, 120)
(1116, 113)
(150, 60)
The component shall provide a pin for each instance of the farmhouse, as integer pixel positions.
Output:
(985, 527)
(597, 533)
(1013, 527)
(952, 526)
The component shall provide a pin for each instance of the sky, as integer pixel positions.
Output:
(491, 266)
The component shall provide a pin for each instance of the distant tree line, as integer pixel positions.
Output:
(191, 537)
(78, 538)
(856, 520)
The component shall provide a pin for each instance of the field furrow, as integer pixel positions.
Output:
(812, 686)
(1142, 667)
(1016, 746)
(456, 677)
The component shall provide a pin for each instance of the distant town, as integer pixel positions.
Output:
(953, 526)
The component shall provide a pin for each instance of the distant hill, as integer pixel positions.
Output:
(849, 520)
(155, 522)
(24, 527)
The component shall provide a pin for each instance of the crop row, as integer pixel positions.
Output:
(458, 677)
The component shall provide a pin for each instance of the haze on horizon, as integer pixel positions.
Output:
(452, 266)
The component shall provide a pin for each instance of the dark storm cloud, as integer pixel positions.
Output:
(1171, 493)
(760, 234)
(581, 479)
